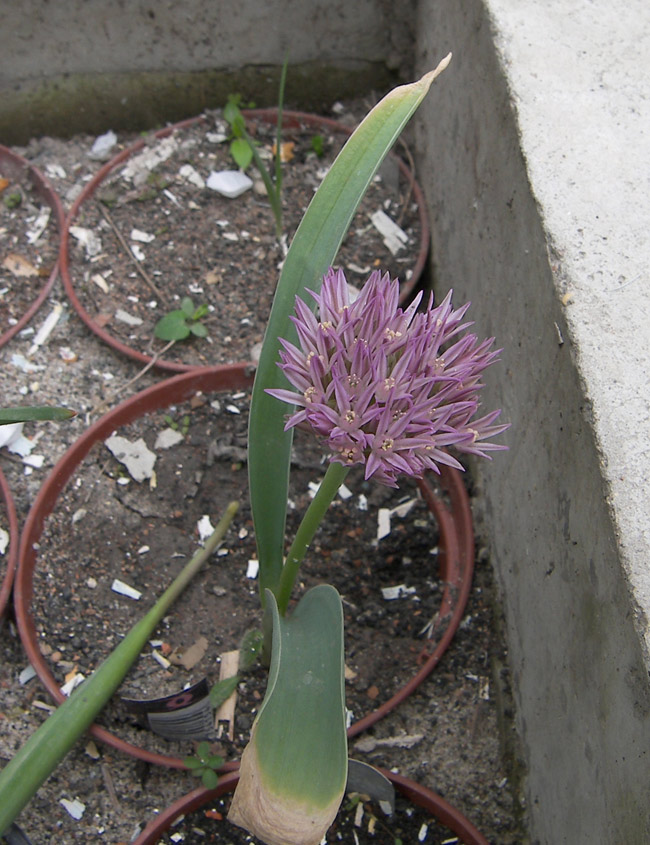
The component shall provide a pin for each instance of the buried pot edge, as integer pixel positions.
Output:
(419, 795)
(11, 164)
(453, 518)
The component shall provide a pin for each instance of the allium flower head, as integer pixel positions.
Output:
(389, 388)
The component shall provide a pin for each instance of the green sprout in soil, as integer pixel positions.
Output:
(318, 145)
(182, 322)
(244, 151)
(205, 764)
(13, 200)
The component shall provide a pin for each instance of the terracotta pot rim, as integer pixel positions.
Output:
(269, 115)
(419, 795)
(11, 557)
(14, 163)
(456, 551)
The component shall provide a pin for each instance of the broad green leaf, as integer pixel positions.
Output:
(312, 251)
(192, 763)
(242, 152)
(222, 691)
(294, 769)
(172, 326)
(210, 778)
(198, 329)
(187, 307)
(8, 416)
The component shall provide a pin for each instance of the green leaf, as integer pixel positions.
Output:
(193, 763)
(250, 649)
(203, 750)
(214, 761)
(200, 312)
(42, 412)
(231, 110)
(242, 152)
(222, 691)
(198, 329)
(312, 251)
(294, 768)
(187, 307)
(210, 778)
(172, 326)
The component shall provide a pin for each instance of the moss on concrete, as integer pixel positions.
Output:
(66, 105)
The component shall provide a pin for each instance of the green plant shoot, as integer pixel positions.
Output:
(182, 322)
(244, 150)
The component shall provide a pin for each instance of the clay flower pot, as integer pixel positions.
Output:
(420, 796)
(86, 297)
(15, 167)
(9, 558)
(449, 507)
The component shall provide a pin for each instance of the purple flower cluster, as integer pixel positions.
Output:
(387, 387)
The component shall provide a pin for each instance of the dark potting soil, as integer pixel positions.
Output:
(192, 241)
(107, 526)
(29, 240)
(359, 822)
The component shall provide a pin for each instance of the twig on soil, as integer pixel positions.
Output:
(110, 787)
(106, 402)
(147, 278)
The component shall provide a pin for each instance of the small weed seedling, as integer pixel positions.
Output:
(205, 764)
(244, 150)
(182, 322)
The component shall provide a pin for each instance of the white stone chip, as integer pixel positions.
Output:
(4, 540)
(39, 226)
(383, 523)
(26, 675)
(393, 236)
(88, 239)
(102, 145)
(136, 457)
(142, 237)
(253, 568)
(74, 682)
(75, 808)
(397, 592)
(125, 590)
(129, 319)
(205, 527)
(229, 183)
(192, 176)
(167, 438)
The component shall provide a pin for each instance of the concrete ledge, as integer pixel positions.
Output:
(535, 158)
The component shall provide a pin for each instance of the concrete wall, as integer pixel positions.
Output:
(504, 237)
(84, 65)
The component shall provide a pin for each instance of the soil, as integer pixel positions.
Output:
(27, 258)
(220, 252)
(359, 822)
(462, 712)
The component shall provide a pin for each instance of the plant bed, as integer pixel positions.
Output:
(31, 222)
(222, 253)
(107, 526)
(420, 816)
(9, 536)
